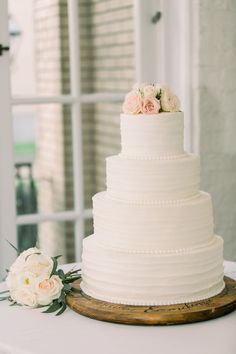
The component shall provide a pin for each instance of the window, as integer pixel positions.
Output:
(65, 116)
(71, 63)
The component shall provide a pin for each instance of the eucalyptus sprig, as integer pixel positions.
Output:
(67, 279)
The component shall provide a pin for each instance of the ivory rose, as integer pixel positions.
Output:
(169, 102)
(12, 281)
(150, 90)
(158, 89)
(19, 263)
(150, 105)
(139, 86)
(24, 297)
(32, 260)
(24, 274)
(26, 280)
(39, 264)
(48, 289)
(133, 103)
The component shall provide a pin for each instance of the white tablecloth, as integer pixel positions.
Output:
(27, 331)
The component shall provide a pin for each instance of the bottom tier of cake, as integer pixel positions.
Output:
(152, 279)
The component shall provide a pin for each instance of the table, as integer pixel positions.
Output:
(28, 331)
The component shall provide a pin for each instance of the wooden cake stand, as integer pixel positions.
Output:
(203, 310)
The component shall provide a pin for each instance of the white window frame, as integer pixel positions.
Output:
(8, 219)
(7, 191)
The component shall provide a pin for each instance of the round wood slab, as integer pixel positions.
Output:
(203, 310)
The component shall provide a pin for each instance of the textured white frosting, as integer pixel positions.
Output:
(153, 239)
(152, 135)
(131, 179)
(151, 279)
(153, 227)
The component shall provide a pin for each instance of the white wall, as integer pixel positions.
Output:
(163, 50)
(214, 54)
(177, 56)
(22, 51)
(197, 45)
(23, 68)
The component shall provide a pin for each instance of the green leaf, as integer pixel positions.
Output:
(4, 292)
(64, 306)
(14, 303)
(54, 268)
(61, 274)
(16, 249)
(72, 279)
(74, 290)
(54, 307)
(55, 264)
(62, 298)
(40, 306)
(72, 271)
(66, 287)
(4, 298)
(56, 257)
(29, 255)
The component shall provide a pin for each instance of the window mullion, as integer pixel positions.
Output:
(68, 99)
(35, 100)
(102, 97)
(68, 215)
(75, 82)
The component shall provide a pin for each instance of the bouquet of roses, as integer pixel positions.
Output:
(150, 99)
(34, 280)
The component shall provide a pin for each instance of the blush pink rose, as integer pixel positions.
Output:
(133, 103)
(150, 105)
(48, 289)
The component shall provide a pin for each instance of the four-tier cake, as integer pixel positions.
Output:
(154, 241)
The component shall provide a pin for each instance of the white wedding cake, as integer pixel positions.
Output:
(153, 241)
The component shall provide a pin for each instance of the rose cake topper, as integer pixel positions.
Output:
(150, 99)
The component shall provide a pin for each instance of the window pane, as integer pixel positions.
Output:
(101, 138)
(27, 236)
(88, 227)
(39, 47)
(53, 238)
(57, 238)
(106, 45)
(43, 158)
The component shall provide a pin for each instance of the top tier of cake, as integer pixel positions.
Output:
(152, 136)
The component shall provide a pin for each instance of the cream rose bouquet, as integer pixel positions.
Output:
(34, 280)
(150, 99)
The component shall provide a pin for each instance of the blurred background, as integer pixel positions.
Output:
(71, 63)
